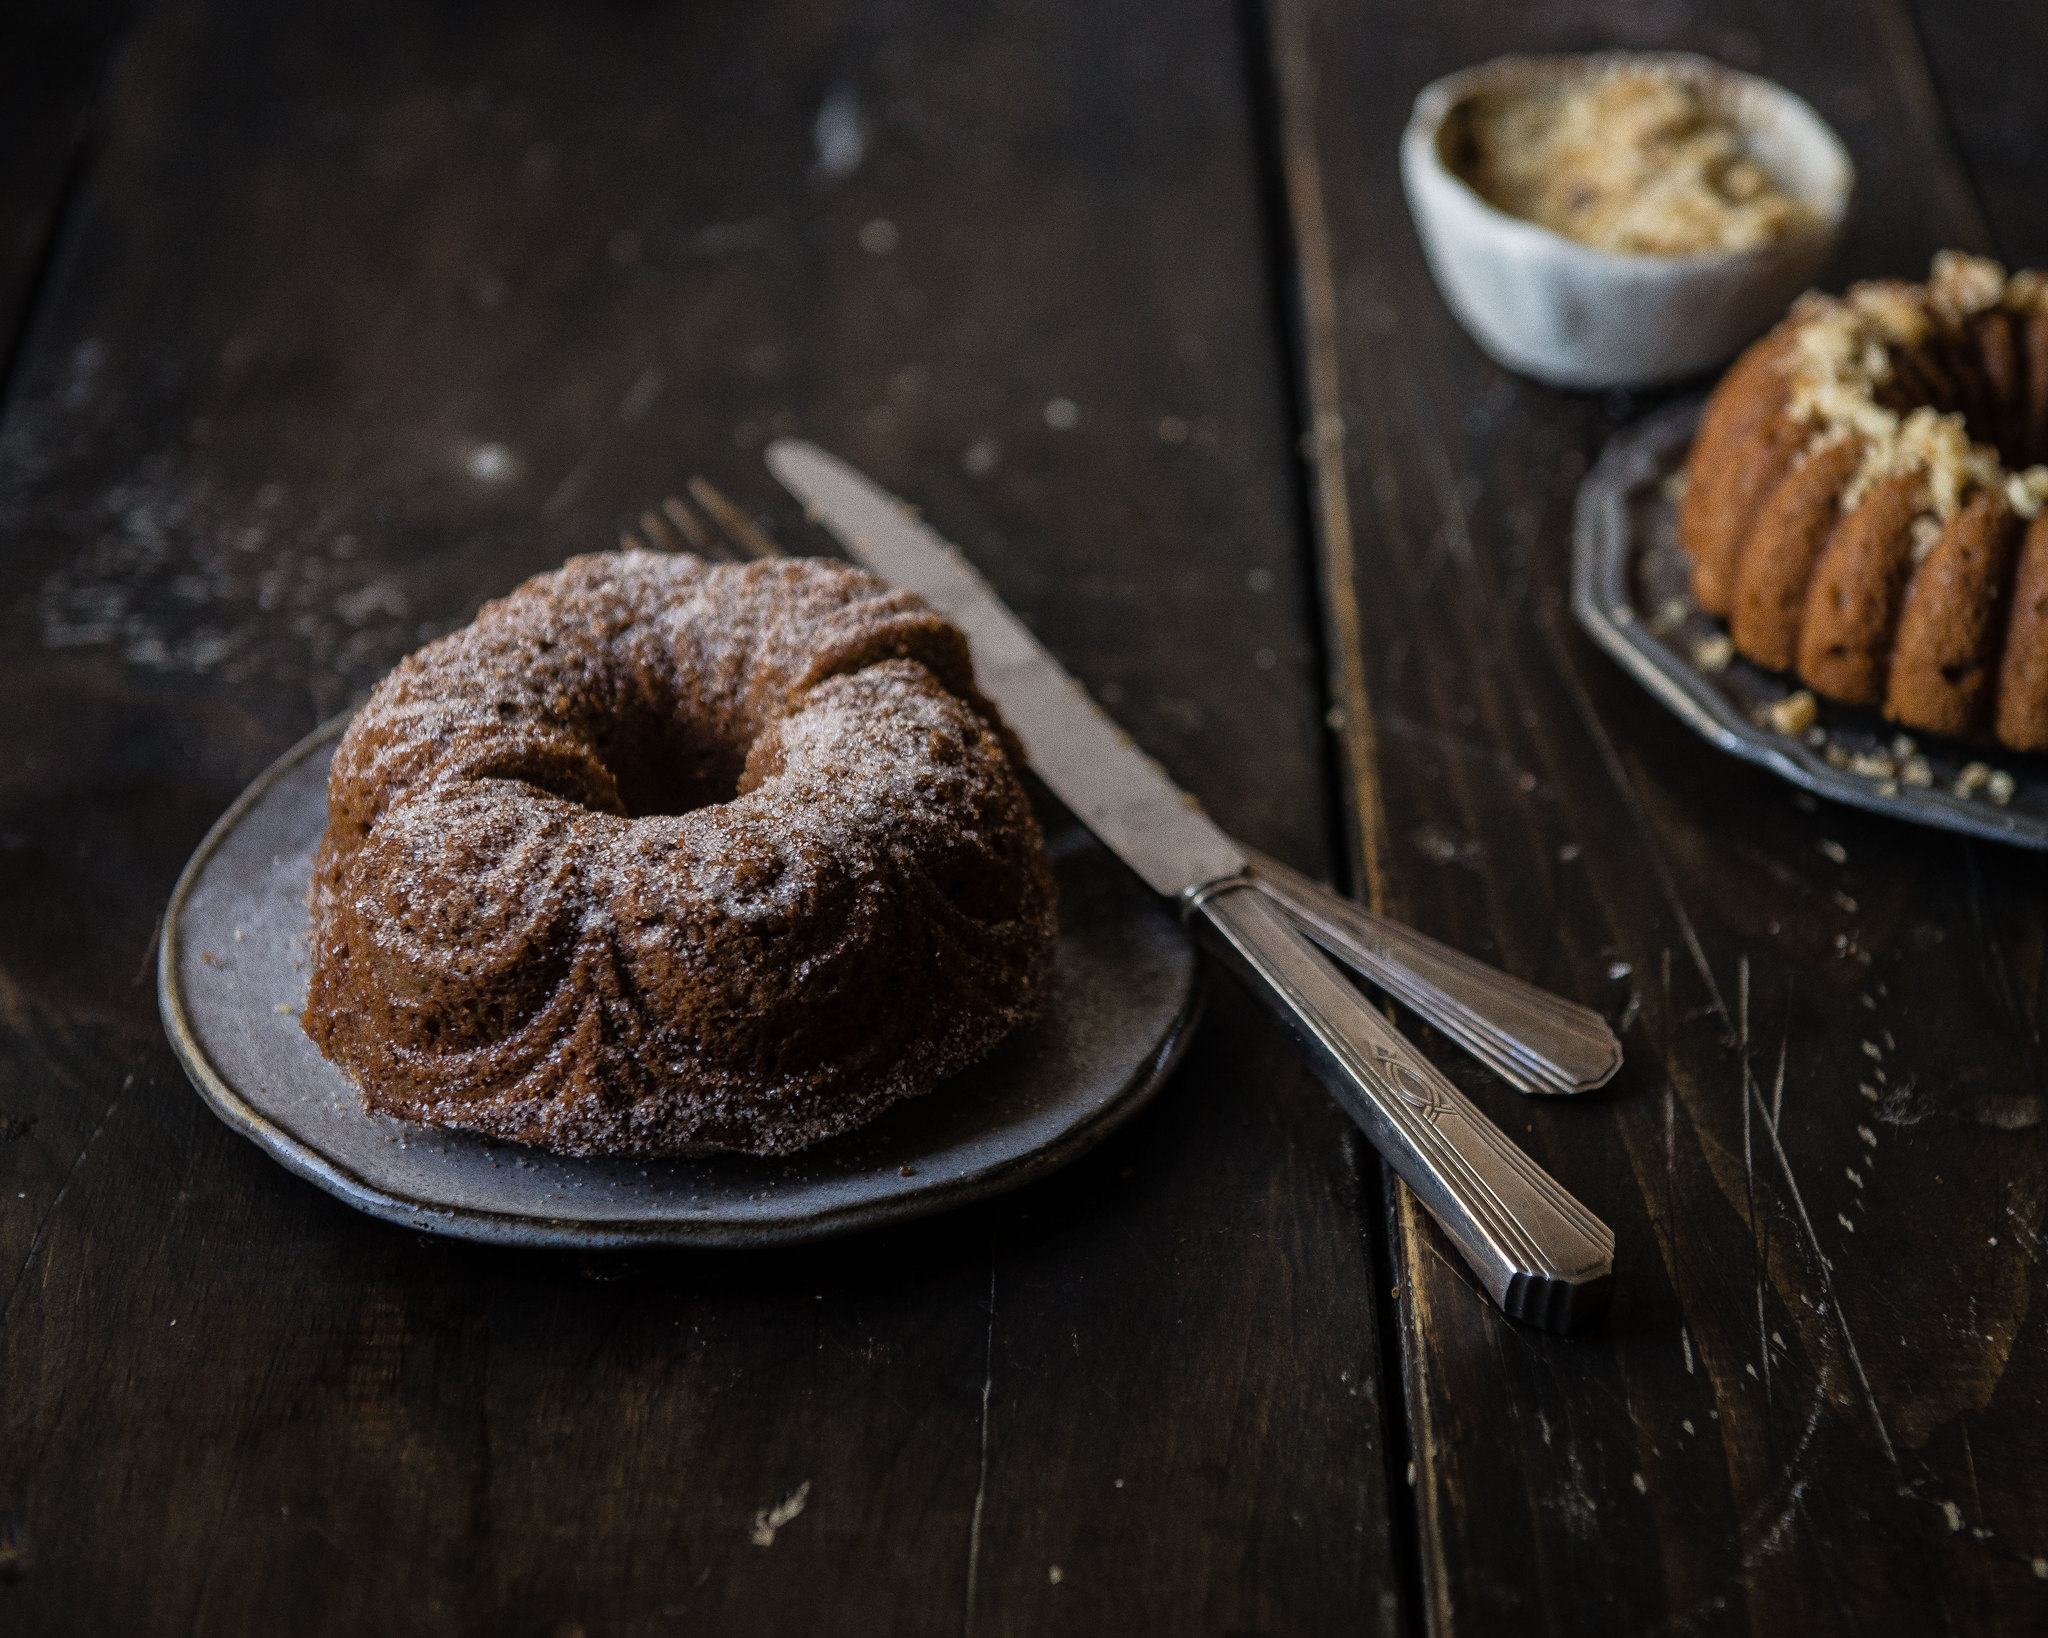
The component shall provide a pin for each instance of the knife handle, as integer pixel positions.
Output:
(1535, 1041)
(1540, 1254)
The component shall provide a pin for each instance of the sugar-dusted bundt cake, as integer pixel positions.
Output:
(1863, 502)
(662, 857)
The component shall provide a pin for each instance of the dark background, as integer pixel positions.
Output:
(272, 275)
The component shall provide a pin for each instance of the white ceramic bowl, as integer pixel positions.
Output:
(1546, 305)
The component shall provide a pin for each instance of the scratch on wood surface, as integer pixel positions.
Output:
(1970, 1464)
(988, 1380)
(1763, 1332)
(1791, 1486)
(1772, 1539)
(1757, 1235)
(1827, 1277)
(1401, 726)
(1617, 775)
(1784, 1045)
(70, 1177)
(1753, 1101)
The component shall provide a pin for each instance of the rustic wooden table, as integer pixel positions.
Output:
(323, 326)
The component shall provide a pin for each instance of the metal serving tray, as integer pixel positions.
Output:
(1632, 591)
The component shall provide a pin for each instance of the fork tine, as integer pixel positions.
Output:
(652, 526)
(737, 525)
(685, 524)
(630, 542)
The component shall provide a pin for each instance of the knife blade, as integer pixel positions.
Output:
(1538, 1252)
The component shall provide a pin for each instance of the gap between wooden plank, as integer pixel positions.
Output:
(1278, 33)
(1323, 451)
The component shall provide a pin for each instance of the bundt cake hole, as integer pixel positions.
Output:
(663, 769)
(655, 785)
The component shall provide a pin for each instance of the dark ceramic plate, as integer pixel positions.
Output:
(231, 978)
(1631, 589)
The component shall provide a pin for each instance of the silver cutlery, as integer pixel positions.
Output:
(1539, 1253)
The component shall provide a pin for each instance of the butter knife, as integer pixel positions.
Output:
(1537, 1251)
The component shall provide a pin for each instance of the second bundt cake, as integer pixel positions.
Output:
(661, 857)
(1864, 500)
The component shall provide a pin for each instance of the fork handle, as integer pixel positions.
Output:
(1540, 1254)
(1535, 1041)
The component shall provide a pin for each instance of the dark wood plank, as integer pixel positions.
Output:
(374, 311)
(52, 53)
(1987, 61)
(1815, 1408)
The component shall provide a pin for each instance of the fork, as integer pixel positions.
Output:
(1537, 1042)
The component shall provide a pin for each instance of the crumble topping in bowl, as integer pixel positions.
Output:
(1635, 160)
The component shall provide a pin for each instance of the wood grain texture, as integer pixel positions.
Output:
(367, 314)
(52, 54)
(1816, 1406)
(1987, 60)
